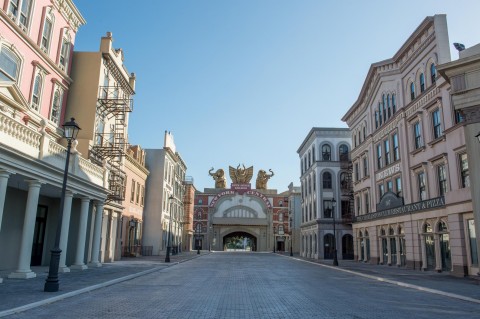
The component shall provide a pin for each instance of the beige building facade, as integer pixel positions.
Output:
(411, 182)
(464, 77)
(100, 99)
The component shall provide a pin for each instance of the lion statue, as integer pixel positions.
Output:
(262, 179)
(219, 177)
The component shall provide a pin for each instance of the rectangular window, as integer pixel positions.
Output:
(464, 172)
(56, 106)
(387, 151)
(381, 190)
(359, 205)
(327, 209)
(137, 199)
(442, 179)
(64, 54)
(390, 186)
(418, 135)
(25, 12)
(437, 124)
(367, 203)
(422, 189)
(396, 151)
(357, 172)
(132, 193)
(365, 166)
(379, 156)
(398, 185)
(47, 30)
(473, 242)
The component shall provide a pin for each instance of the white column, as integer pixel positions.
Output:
(399, 255)
(4, 175)
(67, 212)
(96, 236)
(23, 269)
(82, 235)
(438, 253)
(424, 252)
(365, 249)
(389, 251)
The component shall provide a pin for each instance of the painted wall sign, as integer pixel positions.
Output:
(241, 188)
(410, 208)
(388, 172)
(232, 192)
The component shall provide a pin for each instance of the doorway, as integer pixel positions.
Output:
(39, 236)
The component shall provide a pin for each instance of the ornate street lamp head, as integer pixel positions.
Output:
(70, 130)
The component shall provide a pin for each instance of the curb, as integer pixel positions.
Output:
(393, 282)
(90, 288)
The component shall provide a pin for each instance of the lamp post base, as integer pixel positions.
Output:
(167, 256)
(51, 283)
(335, 259)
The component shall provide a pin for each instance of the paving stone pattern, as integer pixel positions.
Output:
(253, 285)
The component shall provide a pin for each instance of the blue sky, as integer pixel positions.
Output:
(245, 81)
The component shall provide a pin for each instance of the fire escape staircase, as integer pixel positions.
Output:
(111, 146)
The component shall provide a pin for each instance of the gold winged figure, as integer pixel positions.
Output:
(262, 179)
(219, 177)
(241, 175)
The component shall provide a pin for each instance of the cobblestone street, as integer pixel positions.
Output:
(254, 285)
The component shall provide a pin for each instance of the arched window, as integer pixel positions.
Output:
(9, 64)
(364, 133)
(427, 228)
(313, 153)
(376, 119)
(37, 88)
(382, 232)
(56, 107)
(309, 158)
(433, 73)
(394, 104)
(389, 110)
(391, 232)
(326, 152)
(343, 152)
(442, 227)
(344, 184)
(380, 113)
(384, 106)
(47, 32)
(327, 180)
(422, 82)
(412, 91)
(65, 53)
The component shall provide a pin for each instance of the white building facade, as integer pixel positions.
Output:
(164, 216)
(326, 194)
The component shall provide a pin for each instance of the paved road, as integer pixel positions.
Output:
(254, 285)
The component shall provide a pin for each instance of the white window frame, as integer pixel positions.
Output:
(50, 18)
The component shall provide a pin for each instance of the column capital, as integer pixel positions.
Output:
(5, 173)
(34, 183)
(85, 199)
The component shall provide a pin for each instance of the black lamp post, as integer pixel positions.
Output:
(335, 260)
(274, 238)
(70, 132)
(198, 240)
(291, 236)
(169, 245)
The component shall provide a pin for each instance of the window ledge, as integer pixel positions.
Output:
(418, 150)
(437, 140)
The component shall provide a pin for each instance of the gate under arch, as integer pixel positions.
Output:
(239, 241)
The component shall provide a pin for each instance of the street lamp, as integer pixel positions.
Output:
(169, 245)
(197, 230)
(274, 238)
(70, 132)
(335, 260)
(291, 236)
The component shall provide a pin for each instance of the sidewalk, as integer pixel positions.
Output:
(29, 293)
(467, 288)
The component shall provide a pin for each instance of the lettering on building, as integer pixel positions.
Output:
(388, 172)
(407, 209)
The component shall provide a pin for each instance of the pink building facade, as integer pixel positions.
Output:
(36, 44)
(410, 169)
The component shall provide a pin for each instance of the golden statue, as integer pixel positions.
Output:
(241, 175)
(262, 179)
(219, 177)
